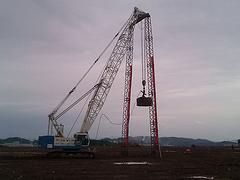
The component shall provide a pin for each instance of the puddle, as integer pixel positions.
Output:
(170, 151)
(132, 163)
(200, 177)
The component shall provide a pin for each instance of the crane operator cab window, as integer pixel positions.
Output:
(82, 139)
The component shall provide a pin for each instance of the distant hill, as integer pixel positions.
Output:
(176, 141)
(14, 140)
(179, 141)
(142, 140)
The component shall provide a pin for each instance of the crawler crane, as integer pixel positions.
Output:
(56, 140)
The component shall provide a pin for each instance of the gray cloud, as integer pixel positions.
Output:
(45, 47)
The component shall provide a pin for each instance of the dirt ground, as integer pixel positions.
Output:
(177, 163)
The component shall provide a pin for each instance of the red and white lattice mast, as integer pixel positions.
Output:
(123, 48)
(150, 101)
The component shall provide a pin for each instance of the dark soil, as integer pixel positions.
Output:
(177, 163)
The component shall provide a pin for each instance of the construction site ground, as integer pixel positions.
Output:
(176, 163)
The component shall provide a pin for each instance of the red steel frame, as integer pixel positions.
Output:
(149, 58)
(127, 91)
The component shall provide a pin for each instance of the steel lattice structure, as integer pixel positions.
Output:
(123, 48)
(127, 91)
(111, 69)
(149, 57)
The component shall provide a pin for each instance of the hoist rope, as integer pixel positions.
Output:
(101, 54)
(142, 54)
(111, 122)
(106, 117)
(104, 50)
(78, 115)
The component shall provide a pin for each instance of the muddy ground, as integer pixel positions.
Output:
(200, 163)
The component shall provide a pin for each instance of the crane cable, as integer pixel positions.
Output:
(143, 54)
(111, 122)
(143, 78)
(78, 115)
(101, 54)
(83, 107)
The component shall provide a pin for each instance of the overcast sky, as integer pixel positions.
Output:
(46, 46)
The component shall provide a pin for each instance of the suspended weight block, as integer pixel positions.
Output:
(144, 101)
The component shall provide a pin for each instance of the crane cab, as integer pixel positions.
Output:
(81, 139)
